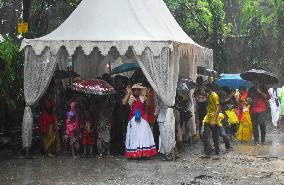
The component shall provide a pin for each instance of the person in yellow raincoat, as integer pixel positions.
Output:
(229, 110)
(245, 128)
(221, 130)
(232, 116)
(212, 123)
(210, 127)
(233, 121)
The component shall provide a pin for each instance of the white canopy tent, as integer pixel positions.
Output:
(94, 32)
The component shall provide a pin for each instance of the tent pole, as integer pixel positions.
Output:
(109, 67)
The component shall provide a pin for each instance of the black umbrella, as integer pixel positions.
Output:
(125, 68)
(61, 74)
(185, 84)
(211, 72)
(262, 76)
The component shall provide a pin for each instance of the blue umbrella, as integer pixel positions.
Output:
(125, 68)
(233, 81)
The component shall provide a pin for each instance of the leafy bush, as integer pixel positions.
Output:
(11, 74)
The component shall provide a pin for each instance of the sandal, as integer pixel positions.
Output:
(100, 156)
(50, 155)
(167, 158)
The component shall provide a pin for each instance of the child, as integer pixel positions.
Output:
(232, 121)
(71, 132)
(88, 133)
(103, 141)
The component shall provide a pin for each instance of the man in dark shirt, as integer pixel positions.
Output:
(119, 117)
(259, 96)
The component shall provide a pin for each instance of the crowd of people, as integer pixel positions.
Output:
(240, 113)
(125, 123)
(114, 124)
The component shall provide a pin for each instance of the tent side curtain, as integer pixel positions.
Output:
(162, 73)
(192, 56)
(38, 72)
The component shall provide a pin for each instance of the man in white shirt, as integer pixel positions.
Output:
(275, 105)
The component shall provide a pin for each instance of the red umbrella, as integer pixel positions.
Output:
(93, 86)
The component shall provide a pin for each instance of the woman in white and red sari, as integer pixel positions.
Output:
(139, 138)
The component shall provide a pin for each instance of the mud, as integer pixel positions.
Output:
(246, 164)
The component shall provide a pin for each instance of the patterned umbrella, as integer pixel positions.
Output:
(93, 86)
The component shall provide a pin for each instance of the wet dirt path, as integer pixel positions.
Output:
(247, 164)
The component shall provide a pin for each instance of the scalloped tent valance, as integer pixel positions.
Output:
(88, 46)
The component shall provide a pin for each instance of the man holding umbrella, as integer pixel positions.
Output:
(259, 97)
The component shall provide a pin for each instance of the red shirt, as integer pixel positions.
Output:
(259, 103)
(151, 108)
(47, 119)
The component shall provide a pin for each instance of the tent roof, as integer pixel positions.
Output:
(119, 22)
(113, 20)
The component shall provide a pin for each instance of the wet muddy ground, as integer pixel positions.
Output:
(247, 164)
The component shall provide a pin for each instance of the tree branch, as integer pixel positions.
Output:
(203, 27)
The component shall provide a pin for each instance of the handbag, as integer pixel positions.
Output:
(137, 115)
(187, 114)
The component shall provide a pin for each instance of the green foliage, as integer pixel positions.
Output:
(74, 3)
(277, 18)
(1, 3)
(251, 28)
(11, 74)
(259, 23)
(47, 15)
(203, 21)
(262, 23)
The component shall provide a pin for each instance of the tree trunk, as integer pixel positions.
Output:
(26, 10)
